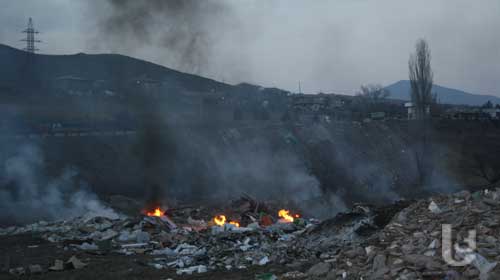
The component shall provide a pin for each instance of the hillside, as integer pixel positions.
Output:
(401, 90)
(109, 67)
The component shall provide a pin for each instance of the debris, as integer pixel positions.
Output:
(87, 247)
(35, 269)
(483, 265)
(264, 261)
(192, 269)
(398, 241)
(434, 208)
(319, 269)
(142, 237)
(17, 271)
(76, 263)
(294, 275)
(58, 266)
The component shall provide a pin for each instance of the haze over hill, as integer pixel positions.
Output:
(401, 90)
(119, 69)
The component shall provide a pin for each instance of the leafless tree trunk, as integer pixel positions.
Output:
(421, 78)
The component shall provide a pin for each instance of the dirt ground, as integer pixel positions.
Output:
(23, 250)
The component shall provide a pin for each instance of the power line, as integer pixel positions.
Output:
(31, 37)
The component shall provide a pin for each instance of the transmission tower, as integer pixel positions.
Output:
(30, 37)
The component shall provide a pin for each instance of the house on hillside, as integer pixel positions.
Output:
(316, 107)
(74, 85)
(412, 112)
(493, 113)
(145, 85)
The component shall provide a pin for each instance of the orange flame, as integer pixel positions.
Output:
(236, 224)
(156, 213)
(285, 214)
(220, 220)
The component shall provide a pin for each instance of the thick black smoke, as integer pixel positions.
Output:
(185, 29)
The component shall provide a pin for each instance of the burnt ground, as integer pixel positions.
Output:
(16, 252)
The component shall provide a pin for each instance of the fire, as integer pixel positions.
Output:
(156, 213)
(285, 214)
(236, 224)
(221, 221)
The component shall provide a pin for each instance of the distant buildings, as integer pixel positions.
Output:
(412, 113)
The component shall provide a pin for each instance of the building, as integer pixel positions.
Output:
(493, 113)
(412, 112)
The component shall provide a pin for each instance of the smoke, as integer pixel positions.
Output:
(181, 30)
(27, 194)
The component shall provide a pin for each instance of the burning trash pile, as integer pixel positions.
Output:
(425, 239)
(179, 239)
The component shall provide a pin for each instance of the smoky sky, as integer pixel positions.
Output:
(331, 46)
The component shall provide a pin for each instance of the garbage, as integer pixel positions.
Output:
(76, 263)
(58, 266)
(402, 240)
(319, 269)
(192, 269)
(18, 271)
(434, 208)
(264, 261)
(35, 269)
(87, 247)
(142, 237)
(483, 265)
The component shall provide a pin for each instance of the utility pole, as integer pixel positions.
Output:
(29, 75)
(300, 88)
(31, 37)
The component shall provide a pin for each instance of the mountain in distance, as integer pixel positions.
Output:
(401, 90)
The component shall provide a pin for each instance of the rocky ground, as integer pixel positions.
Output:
(406, 240)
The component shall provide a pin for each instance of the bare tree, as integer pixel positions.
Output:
(373, 93)
(421, 78)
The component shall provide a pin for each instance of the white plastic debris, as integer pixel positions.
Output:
(108, 234)
(76, 263)
(134, 245)
(58, 266)
(434, 208)
(164, 251)
(483, 265)
(87, 246)
(190, 270)
(264, 261)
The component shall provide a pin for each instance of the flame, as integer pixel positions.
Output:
(156, 213)
(220, 220)
(236, 224)
(285, 214)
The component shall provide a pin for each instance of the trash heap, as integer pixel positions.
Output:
(188, 245)
(411, 245)
(404, 240)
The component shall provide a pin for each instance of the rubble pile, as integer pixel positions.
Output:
(425, 239)
(189, 245)
(415, 244)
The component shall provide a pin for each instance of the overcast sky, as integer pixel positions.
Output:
(332, 46)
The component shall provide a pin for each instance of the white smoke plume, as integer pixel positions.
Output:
(28, 195)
